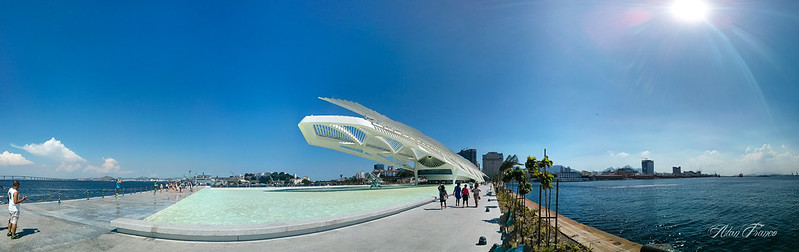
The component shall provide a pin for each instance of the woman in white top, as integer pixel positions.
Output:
(476, 192)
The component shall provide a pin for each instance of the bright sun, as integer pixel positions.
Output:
(690, 10)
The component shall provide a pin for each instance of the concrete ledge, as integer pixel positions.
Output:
(193, 232)
(593, 238)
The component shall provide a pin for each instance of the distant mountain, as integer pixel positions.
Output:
(556, 169)
(611, 169)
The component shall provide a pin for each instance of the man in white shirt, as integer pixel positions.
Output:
(13, 209)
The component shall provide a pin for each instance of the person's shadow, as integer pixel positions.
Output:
(27, 231)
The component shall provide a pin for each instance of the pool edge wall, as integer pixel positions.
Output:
(194, 232)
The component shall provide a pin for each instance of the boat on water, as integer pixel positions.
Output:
(740, 175)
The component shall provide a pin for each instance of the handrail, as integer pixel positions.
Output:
(88, 194)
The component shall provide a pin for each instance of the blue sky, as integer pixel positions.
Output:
(152, 88)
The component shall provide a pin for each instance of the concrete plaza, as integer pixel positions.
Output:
(84, 225)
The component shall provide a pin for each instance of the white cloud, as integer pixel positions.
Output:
(68, 167)
(754, 160)
(765, 160)
(759, 154)
(645, 154)
(9, 159)
(620, 154)
(713, 156)
(110, 165)
(66, 159)
(53, 149)
(709, 161)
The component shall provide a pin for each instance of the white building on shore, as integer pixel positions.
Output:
(378, 138)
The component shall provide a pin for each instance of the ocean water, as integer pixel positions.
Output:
(690, 214)
(40, 190)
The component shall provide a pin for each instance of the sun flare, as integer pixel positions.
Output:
(690, 10)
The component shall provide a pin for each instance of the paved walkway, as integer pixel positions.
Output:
(50, 225)
(83, 225)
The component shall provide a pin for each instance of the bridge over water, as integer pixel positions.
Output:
(16, 177)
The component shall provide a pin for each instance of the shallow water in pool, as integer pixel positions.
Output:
(237, 206)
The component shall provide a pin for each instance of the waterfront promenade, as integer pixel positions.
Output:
(50, 226)
(590, 237)
(84, 225)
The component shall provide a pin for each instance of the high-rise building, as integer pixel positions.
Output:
(469, 154)
(380, 167)
(648, 166)
(676, 170)
(491, 163)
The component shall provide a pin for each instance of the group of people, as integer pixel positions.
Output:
(170, 186)
(176, 187)
(461, 194)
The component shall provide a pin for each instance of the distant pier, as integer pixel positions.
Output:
(15, 177)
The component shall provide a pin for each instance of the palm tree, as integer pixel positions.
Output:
(509, 163)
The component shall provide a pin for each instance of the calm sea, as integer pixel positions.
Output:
(690, 214)
(39, 191)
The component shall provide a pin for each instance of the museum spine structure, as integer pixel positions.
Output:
(378, 138)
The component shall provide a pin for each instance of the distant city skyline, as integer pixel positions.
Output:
(156, 89)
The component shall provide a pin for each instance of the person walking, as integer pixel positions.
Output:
(155, 187)
(442, 196)
(465, 194)
(13, 209)
(116, 190)
(457, 193)
(476, 194)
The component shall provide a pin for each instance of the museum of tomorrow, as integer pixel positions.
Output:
(378, 138)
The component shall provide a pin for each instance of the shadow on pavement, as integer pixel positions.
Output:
(27, 231)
